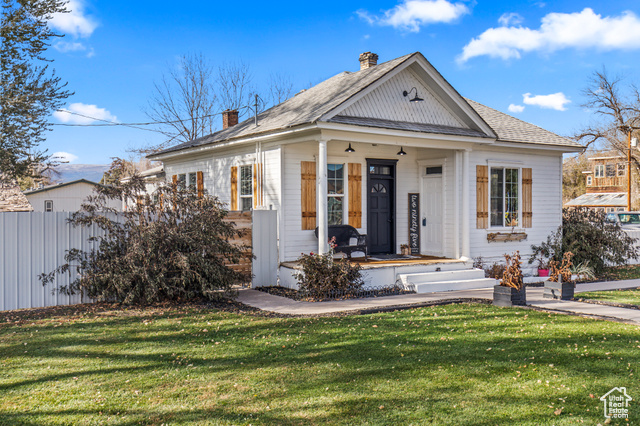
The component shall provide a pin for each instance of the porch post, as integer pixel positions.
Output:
(465, 205)
(323, 234)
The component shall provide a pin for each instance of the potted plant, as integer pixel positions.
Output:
(511, 290)
(405, 249)
(560, 285)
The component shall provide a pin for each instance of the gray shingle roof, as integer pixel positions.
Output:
(611, 199)
(511, 129)
(310, 105)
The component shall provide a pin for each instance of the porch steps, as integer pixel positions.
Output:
(429, 282)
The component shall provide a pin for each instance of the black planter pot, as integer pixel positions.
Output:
(554, 290)
(509, 296)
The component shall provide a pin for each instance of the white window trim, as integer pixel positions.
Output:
(45, 205)
(599, 167)
(240, 196)
(506, 165)
(589, 180)
(345, 185)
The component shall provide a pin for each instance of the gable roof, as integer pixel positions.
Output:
(60, 185)
(323, 101)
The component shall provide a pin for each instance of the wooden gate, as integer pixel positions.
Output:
(243, 223)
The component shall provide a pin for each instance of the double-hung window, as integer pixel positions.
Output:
(246, 188)
(622, 169)
(599, 170)
(335, 193)
(505, 198)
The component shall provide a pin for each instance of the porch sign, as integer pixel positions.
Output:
(414, 223)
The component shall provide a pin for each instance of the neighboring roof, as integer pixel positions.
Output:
(60, 185)
(610, 199)
(12, 199)
(511, 129)
(309, 106)
(153, 171)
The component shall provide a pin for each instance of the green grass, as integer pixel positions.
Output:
(455, 364)
(628, 297)
(616, 273)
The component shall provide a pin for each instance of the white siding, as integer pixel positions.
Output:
(67, 198)
(547, 202)
(387, 102)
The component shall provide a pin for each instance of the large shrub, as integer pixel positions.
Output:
(173, 246)
(592, 241)
(322, 275)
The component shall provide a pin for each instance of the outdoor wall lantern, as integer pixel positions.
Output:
(416, 98)
(349, 149)
(401, 152)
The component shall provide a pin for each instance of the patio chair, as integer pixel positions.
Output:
(348, 239)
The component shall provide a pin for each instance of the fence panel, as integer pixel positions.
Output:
(633, 233)
(265, 248)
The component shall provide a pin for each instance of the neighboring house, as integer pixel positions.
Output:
(355, 148)
(153, 178)
(12, 199)
(606, 184)
(64, 197)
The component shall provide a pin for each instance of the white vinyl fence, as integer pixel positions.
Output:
(34, 243)
(634, 234)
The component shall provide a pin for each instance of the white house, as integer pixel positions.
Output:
(356, 148)
(64, 197)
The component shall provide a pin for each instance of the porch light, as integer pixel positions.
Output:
(349, 149)
(416, 98)
(401, 152)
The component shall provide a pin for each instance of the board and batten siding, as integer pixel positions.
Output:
(546, 202)
(388, 103)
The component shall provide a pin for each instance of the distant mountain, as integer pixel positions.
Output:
(70, 172)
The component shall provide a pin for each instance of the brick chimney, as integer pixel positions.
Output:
(368, 60)
(229, 118)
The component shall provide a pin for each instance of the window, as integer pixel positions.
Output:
(622, 169)
(182, 181)
(380, 170)
(48, 205)
(611, 170)
(504, 196)
(589, 180)
(436, 170)
(246, 188)
(335, 191)
(192, 181)
(599, 170)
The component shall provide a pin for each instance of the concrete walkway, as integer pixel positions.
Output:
(283, 305)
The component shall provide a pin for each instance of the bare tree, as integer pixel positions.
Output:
(280, 88)
(234, 86)
(184, 103)
(620, 111)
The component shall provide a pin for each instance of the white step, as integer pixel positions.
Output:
(432, 287)
(456, 275)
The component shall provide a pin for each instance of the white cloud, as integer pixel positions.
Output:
(412, 14)
(555, 101)
(79, 113)
(580, 30)
(75, 23)
(63, 157)
(516, 108)
(64, 46)
(510, 19)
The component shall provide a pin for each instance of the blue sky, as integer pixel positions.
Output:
(528, 58)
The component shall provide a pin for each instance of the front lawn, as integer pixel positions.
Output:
(626, 297)
(454, 364)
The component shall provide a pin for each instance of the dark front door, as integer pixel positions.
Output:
(381, 206)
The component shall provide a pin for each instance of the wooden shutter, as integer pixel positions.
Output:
(308, 192)
(355, 195)
(234, 188)
(482, 197)
(200, 184)
(175, 181)
(527, 201)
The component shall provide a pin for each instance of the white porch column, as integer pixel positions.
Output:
(465, 205)
(322, 220)
(456, 205)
